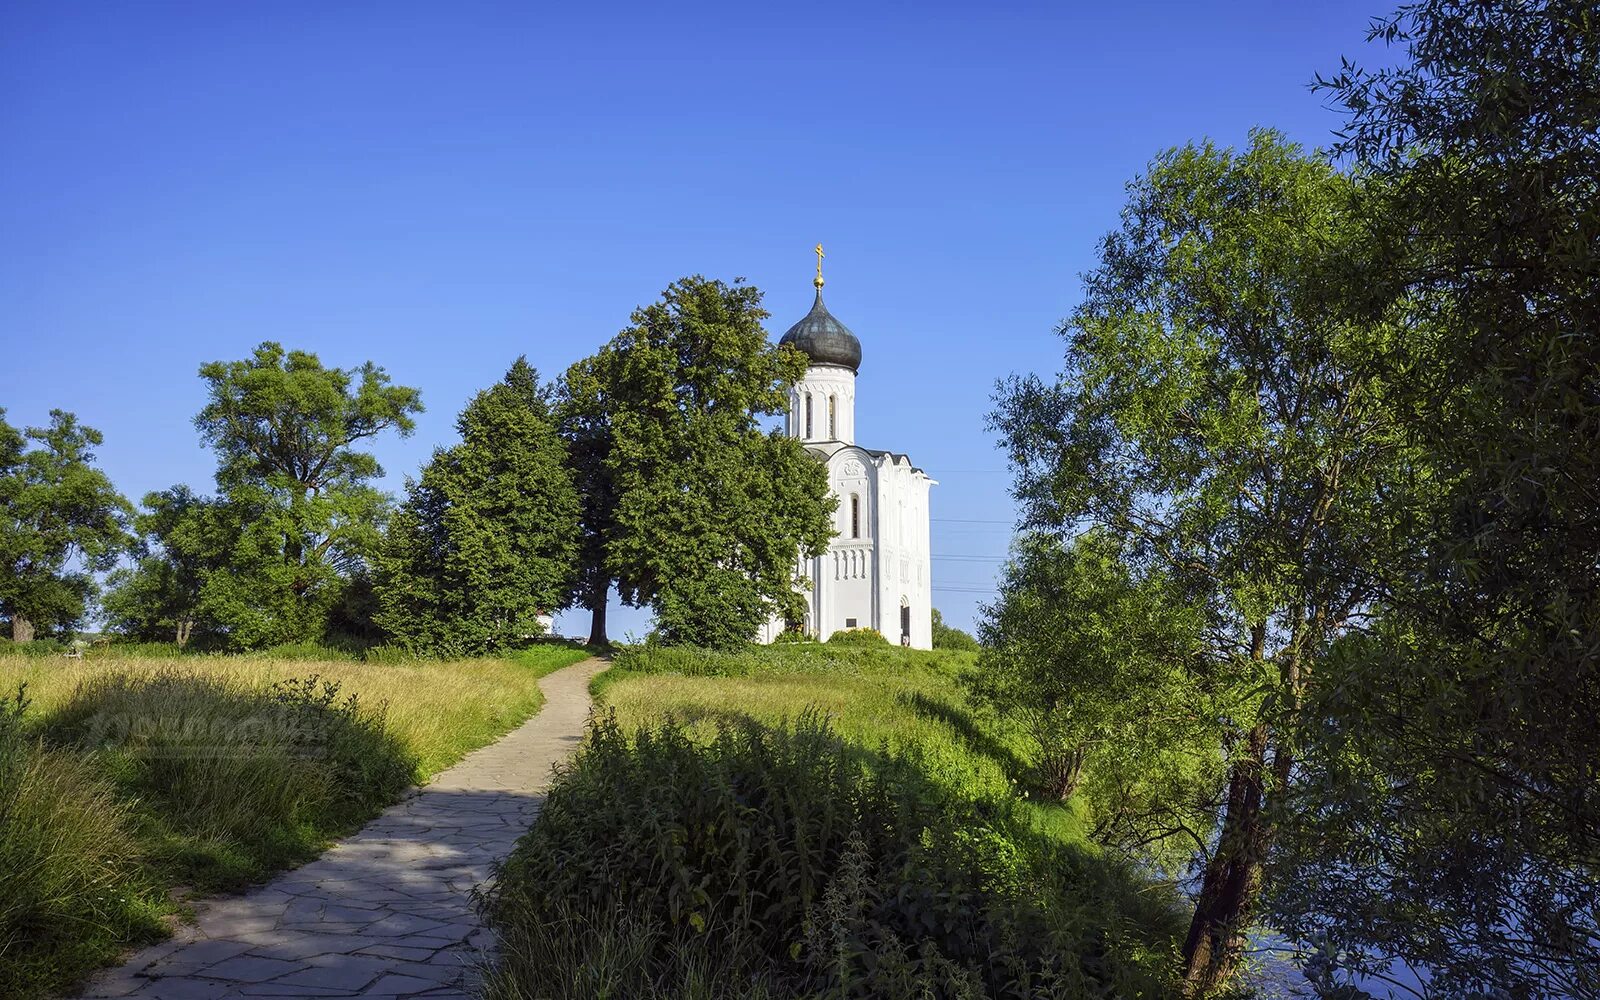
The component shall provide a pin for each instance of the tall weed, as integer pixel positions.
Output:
(71, 887)
(236, 782)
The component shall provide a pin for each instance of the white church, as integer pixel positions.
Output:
(876, 573)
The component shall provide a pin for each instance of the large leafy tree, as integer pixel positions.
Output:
(182, 539)
(1454, 819)
(584, 415)
(1100, 668)
(1217, 421)
(488, 537)
(286, 431)
(705, 515)
(60, 522)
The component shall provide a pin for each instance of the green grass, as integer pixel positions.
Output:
(879, 698)
(813, 820)
(125, 778)
(73, 885)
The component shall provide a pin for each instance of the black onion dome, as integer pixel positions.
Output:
(823, 339)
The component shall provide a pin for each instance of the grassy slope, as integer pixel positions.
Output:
(1033, 915)
(98, 857)
(906, 701)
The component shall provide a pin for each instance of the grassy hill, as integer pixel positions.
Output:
(813, 820)
(907, 703)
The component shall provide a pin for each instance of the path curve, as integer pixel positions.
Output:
(388, 912)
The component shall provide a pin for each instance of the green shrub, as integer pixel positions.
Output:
(546, 656)
(949, 637)
(793, 637)
(140, 650)
(389, 653)
(309, 651)
(236, 782)
(72, 891)
(858, 637)
(855, 656)
(780, 863)
(38, 647)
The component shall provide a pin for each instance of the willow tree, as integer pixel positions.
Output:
(1454, 823)
(1217, 422)
(182, 539)
(290, 470)
(1095, 663)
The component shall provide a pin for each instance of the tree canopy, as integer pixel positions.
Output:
(704, 514)
(282, 553)
(61, 521)
(1216, 422)
(488, 536)
(182, 539)
(285, 429)
(1452, 813)
(950, 637)
(1100, 665)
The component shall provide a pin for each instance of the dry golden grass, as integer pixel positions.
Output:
(442, 710)
(94, 833)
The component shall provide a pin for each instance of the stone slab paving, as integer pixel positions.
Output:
(388, 912)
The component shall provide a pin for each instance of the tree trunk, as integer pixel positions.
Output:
(1065, 772)
(597, 611)
(1232, 880)
(185, 626)
(21, 629)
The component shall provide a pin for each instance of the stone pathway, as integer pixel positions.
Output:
(386, 913)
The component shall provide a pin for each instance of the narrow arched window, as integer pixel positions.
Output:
(808, 415)
(855, 515)
(833, 418)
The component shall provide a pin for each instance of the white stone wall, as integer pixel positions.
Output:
(829, 393)
(904, 557)
(879, 560)
(848, 571)
(869, 577)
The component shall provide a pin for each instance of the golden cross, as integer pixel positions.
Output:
(819, 265)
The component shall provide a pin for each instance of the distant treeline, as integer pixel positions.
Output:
(644, 468)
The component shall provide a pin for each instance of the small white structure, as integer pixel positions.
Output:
(876, 573)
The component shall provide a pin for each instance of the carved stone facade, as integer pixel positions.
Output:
(876, 572)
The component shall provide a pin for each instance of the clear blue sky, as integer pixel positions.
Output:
(440, 187)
